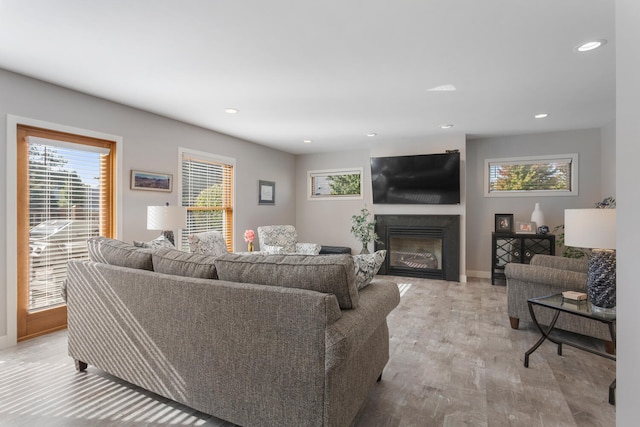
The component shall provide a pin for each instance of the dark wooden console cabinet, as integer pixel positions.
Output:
(520, 248)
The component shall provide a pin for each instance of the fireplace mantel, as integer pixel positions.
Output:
(441, 263)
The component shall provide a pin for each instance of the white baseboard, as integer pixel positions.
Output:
(7, 341)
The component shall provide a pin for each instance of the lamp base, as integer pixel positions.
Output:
(601, 279)
(169, 236)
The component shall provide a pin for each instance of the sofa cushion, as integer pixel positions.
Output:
(178, 263)
(115, 252)
(333, 274)
(367, 266)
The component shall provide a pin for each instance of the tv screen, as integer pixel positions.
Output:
(429, 179)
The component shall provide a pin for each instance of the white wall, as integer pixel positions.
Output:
(481, 219)
(150, 142)
(329, 221)
(628, 198)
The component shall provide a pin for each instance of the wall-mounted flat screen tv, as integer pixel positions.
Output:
(429, 179)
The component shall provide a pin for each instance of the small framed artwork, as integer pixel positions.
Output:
(504, 223)
(266, 192)
(526, 227)
(152, 181)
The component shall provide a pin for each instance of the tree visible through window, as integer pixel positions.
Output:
(342, 183)
(551, 175)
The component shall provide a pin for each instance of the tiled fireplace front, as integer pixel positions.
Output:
(420, 245)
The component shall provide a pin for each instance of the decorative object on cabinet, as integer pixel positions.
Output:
(504, 223)
(537, 216)
(517, 248)
(525, 227)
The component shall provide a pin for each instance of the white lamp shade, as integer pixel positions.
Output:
(166, 217)
(590, 228)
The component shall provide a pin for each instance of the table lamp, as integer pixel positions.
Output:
(166, 218)
(595, 229)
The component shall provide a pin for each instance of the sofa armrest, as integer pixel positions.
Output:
(308, 248)
(563, 280)
(345, 336)
(562, 263)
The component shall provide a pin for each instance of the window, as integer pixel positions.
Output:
(65, 196)
(532, 176)
(335, 184)
(207, 192)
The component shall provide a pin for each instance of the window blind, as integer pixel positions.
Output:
(530, 175)
(207, 192)
(64, 211)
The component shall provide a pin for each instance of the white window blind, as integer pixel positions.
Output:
(207, 192)
(544, 175)
(335, 184)
(64, 211)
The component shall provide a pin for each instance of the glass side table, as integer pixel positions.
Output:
(577, 308)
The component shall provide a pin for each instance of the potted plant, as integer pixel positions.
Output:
(364, 229)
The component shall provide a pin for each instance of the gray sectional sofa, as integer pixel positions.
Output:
(278, 340)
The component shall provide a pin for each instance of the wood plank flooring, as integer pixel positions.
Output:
(454, 362)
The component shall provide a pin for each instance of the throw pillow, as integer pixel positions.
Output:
(115, 252)
(178, 263)
(272, 250)
(160, 242)
(367, 266)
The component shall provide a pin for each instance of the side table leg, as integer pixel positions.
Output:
(612, 393)
(545, 334)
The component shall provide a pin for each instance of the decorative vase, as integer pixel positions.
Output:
(250, 246)
(365, 248)
(537, 216)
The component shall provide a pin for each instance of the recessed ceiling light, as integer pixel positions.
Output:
(443, 88)
(447, 126)
(541, 116)
(591, 45)
(307, 141)
(231, 110)
(372, 134)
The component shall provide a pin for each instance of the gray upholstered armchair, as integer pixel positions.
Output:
(283, 239)
(208, 243)
(547, 275)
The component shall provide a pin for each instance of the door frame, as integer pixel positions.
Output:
(8, 334)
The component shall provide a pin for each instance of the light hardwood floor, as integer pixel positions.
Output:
(454, 362)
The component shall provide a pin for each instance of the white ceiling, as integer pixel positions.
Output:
(330, 71)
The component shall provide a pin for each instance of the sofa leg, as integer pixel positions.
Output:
(379, 378)
(515, 322)
(81, 366)
(609, 347)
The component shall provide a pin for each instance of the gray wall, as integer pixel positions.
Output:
(628, 233)
(329, 221)
(150, 143)
(480, 222)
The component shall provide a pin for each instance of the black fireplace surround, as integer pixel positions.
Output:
(440, 234)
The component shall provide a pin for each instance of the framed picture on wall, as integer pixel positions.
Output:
(504, 223)
(152, 181)
(266, 192)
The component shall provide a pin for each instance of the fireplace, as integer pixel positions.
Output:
(420, 245)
